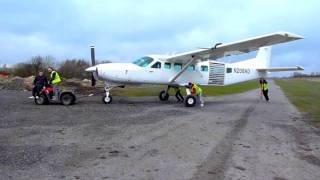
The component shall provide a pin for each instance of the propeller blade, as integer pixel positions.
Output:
(93, 57)
(94, 72)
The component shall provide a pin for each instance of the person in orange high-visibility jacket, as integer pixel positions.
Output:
(196, 91)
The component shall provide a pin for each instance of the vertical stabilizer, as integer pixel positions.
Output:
(263, 57)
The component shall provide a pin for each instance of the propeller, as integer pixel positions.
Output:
(93, 63)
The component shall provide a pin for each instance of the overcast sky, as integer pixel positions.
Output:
(123, 30)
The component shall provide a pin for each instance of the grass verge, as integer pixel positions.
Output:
(304, 94)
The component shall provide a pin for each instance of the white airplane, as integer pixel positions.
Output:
(199, 66)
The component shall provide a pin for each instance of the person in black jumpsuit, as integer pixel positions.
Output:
(38, 83)
(178, 93)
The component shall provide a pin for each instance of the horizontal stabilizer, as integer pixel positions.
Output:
(278, 69)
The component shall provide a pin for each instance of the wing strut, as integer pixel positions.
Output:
(193, 58)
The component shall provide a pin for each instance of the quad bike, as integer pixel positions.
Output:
(45, 96)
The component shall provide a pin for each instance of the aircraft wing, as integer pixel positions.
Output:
(277, 69)
(234, 48)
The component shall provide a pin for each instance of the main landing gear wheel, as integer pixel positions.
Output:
(107, 100)
(164, 96)
(190, 101)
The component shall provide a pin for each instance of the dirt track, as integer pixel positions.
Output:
(232, 137)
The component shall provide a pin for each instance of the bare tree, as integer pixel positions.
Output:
(33, 66)
(41, 63)
(22, 70)
(74, 68)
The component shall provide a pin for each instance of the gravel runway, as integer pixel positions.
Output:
(238, 136)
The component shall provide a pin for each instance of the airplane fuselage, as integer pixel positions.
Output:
(160, 71)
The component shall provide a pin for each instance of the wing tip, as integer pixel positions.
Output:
(300, 68)
(290, 35)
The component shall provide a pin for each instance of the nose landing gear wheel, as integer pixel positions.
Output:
(163, 96)
(190, 101)
(106, 100)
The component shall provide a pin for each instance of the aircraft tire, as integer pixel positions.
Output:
(106, 100)
(190, 101)
(163, 96)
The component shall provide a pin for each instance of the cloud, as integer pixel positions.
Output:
(124, 30)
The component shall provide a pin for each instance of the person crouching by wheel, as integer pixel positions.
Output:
(39, 82)
(178, 94)
(54, 81)
(196, 91)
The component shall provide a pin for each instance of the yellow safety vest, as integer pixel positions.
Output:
(265, 86)
(198, 89)
(57, 78)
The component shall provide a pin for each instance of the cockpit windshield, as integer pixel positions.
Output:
(143, 62)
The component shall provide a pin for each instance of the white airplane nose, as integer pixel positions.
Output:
(91, 69)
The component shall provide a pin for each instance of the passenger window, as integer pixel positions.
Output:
(229, 70)
(167, 65)
(191, 67)
(204, 68)
(156, 65)
(177, 66)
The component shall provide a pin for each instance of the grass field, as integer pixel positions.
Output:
(304, 94)
(208, 90)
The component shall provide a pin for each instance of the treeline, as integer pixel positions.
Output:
(69, 68)
(313, 74)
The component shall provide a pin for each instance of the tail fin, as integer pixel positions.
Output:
(263, 62)
(263, 57)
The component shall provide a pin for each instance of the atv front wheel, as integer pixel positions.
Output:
(41, 99)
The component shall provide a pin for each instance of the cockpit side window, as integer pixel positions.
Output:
(143, 62)
(156, 65)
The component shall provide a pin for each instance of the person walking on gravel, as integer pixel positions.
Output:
(265, 89)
